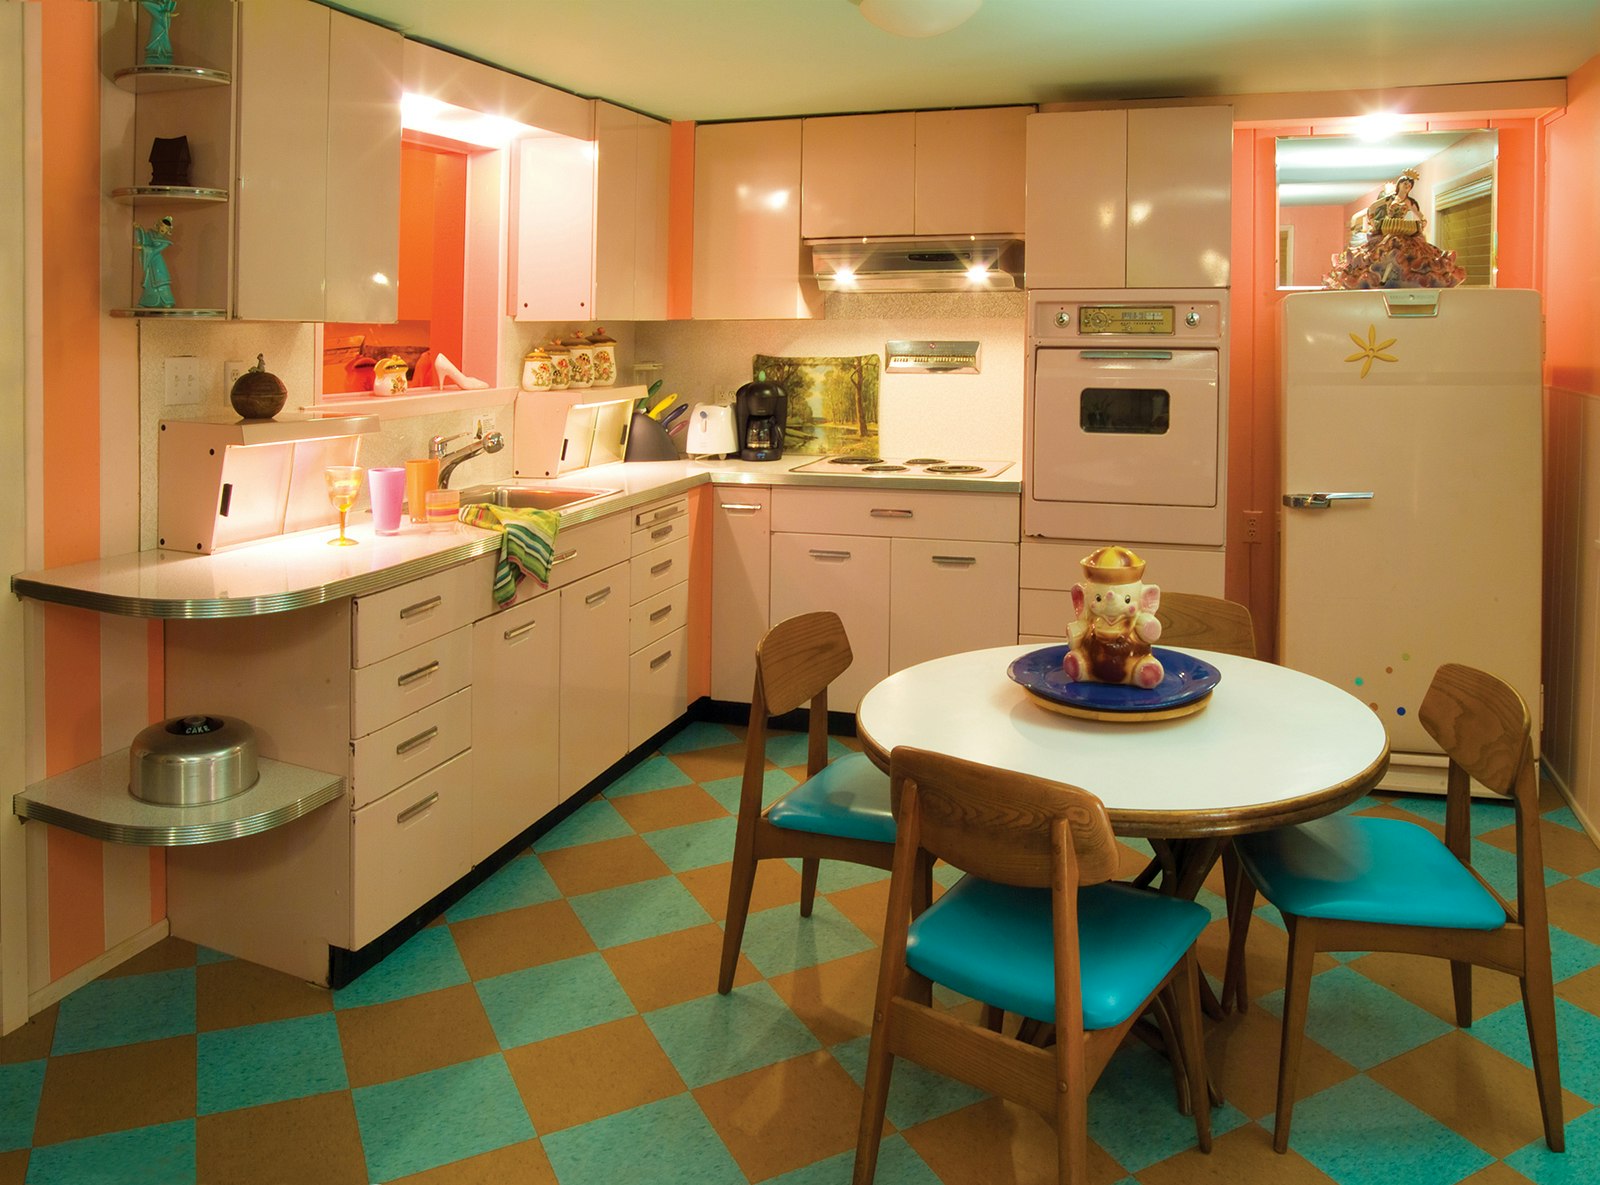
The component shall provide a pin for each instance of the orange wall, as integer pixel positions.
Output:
(1572, 224)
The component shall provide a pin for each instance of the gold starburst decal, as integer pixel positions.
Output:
(1372, 348)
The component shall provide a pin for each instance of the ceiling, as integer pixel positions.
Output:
(739, 59)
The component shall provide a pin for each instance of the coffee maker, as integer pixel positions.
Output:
(762, 411)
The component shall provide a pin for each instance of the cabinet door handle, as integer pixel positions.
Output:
(657, 569)
(821, 554)
(743, 507)
(663, 512)
(427, 606)
(658, 660)
(662, 532)
(884, 512)
(595, 598)
(956, 561)
(411, 677)
(416, 808)
(513, 635)
(416, 742)
(660, 613)
(563, 557)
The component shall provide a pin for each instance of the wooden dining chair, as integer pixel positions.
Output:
(1036, 927)
(841, 810)
(1350, 882)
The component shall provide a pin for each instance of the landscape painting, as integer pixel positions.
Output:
(833, 402)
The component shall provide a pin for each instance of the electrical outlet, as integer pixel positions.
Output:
(1254, 526)
(485, 423)
(231, 370)
(183, 381)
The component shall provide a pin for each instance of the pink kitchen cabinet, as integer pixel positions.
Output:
(741, 583)
(858, 175)
(632, 182)
(594, 683)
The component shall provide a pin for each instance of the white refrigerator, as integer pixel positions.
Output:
(1411, 517)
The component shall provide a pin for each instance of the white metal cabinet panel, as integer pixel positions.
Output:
(409, 747)
(657, 686)
(898, 513)
(396, 619)
(651, 232)
(850, 576)
(552, 231)
(516, 720)
(650, 572)
(741, 581)
(583, 550)
(1076, 199)
(616, 232)
(1180, 186)
(858, 175)
(384, 691)
(657, 616)
(970, 171)
(946, 596)
(594, 676)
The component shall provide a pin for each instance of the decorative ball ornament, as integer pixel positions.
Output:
(258, 394)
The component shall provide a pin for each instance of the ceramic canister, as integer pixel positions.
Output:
(605, 358)
(560, 366)
(538, 372)
(582, 360)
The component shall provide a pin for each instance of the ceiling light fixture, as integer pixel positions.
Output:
(917, 18)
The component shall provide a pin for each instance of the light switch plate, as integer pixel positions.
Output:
(183, 381)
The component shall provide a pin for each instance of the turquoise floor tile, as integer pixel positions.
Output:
(425, 962)
(594, 821)
(789, 748)
(1361, 1021)
(1488, 814)
(268, 1063)
(1576, 1166)
(1591, 878)
(159, 1155)
(1358, 1133)
(1215, 905)
(700, 735)
(715, 1037)
(779, 940)
(126, 1009)
(1499, 868)
(1133, 1111)
(520, 883)
(442, 1116)
(775, 783)
(204, 955)
(898, 1164)
(916, 1095)
(1577, 1042)
(694, 845)
(20, 1087)
(556, 998)
(1564, 816)
(670, 1142)
(633, 912)
(1570, 955)
(836, 875)
(654, 773)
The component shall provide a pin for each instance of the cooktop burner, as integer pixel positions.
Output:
(851, 460)
(943, 468)
(883, 468)
(926, 461)
(846, 464)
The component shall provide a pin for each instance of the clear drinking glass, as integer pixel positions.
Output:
(344, 483)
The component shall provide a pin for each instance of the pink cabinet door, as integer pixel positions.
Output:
(594, 676)
(857, 175)
(515, 720)
(848, 574)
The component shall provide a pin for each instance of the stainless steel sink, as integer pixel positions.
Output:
(534, 497)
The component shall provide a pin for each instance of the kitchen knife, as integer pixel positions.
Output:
(668, 419)
(655, 412)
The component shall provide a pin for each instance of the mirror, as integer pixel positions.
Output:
(1326, 183)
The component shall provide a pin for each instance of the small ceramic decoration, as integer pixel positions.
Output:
(560, 366)
(169, 161)
(582, 354)
(1395, 254)
(1116, 622)
(156, 291)
(258, 394)
(389, 376)
(158, 49)
(449, 372)
(538, 372)
(605, 358)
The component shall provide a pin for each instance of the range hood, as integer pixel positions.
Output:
(932, 264)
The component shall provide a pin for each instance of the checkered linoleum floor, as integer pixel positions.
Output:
(560, 1024)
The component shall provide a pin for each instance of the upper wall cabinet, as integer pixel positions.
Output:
(914, 173)
(749, 261)
(1135, 198)
(633, 167)
(317, 227)
(552, 230)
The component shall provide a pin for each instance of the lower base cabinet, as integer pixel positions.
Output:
(594, 676)
(848, 574)
(516, 721)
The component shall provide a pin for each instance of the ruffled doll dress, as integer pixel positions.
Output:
(1395, 255)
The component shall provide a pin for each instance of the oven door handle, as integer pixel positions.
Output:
(1150, 355)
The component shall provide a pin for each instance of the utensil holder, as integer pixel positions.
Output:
(648, 441)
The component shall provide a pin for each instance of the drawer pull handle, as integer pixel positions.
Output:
(657, 569)
(415, 809)
(563, 557)
(743, 507)
(664, 512)
(513, 635)
(595, 598)
(884, 512)
(420, 673)
(659, 660)
(957, 561)
(821, 554)
(427, 606)
(662, 532)
(660, 613)
(416, 742)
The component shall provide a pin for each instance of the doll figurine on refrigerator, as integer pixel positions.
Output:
(1110, 640)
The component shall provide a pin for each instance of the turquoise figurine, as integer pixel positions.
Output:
(158, 49)
(157, 290)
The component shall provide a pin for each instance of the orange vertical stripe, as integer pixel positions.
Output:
(1516, 203)
(680, 223)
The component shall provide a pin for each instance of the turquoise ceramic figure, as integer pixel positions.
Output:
(158, 50)
(157, 293)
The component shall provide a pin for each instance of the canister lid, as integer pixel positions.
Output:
(195, 759)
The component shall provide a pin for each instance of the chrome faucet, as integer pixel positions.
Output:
(493, 442)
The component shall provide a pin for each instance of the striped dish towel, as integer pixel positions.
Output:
(527, 541)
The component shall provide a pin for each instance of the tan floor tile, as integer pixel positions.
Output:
(592, 867)
(104, 1090)
(1472, 1089)
(383, 1042)
(14, 1167)
(166, 955)
(776, 884)
(515, 1164)
(1243, 1155)
(32, 1039)
(1564, 849)
(867, 906)
(1574, 906)
(999, 1143)
(1582, 989)
(239, 992)
(1242, 1053)
(711, 765)
(1426, 983)
(1495, 1174)
(1266, 956)
(672, 968)
(312, 1139)
(519, 938)
(652, 810)
(835, 998)
(598, 1071)
(785, 1116)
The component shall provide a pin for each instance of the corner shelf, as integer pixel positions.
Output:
(173, 314)
(149, 80)
(134, 195)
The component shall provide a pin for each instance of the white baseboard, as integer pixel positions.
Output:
(1590, 827)
(73, 980)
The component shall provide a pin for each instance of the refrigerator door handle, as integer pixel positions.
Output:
(1323, 501)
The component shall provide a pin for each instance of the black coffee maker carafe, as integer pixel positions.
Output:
(761, 410)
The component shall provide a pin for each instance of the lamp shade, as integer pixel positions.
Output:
(917, 18)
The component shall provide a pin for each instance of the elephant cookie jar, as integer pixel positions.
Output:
(1109, 641)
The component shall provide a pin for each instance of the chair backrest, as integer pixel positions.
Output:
(1480, 722)
(798, 658)
(1210, 623)
(999, 825)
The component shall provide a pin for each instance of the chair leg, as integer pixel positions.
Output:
(1296, 998)
(1186, 989)
(809, 867)
(741, 882)
(1461, 987)
(994, 1018)
(1072, 1133)
(1539, 1009)
(1163, 1011)
(1241, 906)
(880, 1067)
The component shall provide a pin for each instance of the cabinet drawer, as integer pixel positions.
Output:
(652, 571)
(388, 622)
(658, 686)
(659, 525)
(583, 550)
(408, 846)
(410, 747)
(655, 617)
(910, 514)
(385, 691)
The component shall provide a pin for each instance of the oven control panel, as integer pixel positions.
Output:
(1128, 318)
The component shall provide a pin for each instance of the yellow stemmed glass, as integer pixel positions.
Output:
(344, 483)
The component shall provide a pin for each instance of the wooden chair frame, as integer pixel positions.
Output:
(1020, 830)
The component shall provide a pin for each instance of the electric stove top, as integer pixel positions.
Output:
(875, 466)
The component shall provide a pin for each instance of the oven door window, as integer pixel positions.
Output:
(1124, 411)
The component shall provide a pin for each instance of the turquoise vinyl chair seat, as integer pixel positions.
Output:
(994, 943)
(1367, 870)
(848, 798)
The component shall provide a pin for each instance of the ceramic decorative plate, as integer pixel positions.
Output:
(1187, 683)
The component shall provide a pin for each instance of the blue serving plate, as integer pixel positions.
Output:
(1187, 680)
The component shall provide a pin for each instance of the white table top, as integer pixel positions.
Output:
(1272, 746)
